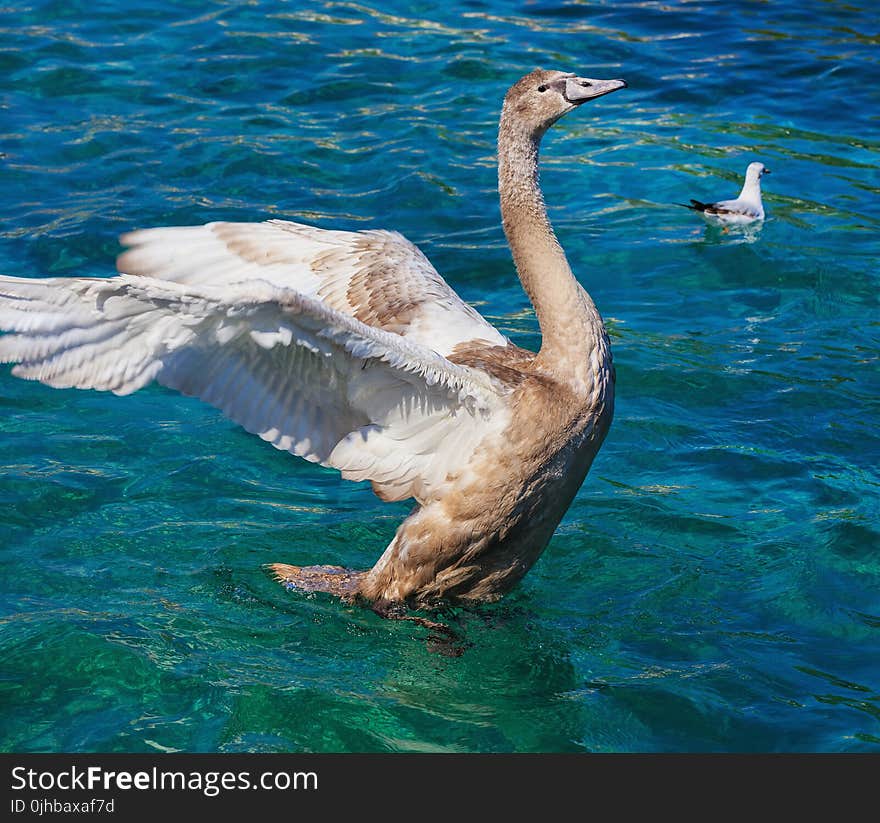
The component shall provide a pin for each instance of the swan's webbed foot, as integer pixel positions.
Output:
(335, 580)
(444, 639)
(344, 584)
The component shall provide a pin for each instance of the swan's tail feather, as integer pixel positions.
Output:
(335, 580)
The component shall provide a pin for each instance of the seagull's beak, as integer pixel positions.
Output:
(766, 171)
(580, 89)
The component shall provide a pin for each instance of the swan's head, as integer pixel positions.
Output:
(755, 172)
(540, 98)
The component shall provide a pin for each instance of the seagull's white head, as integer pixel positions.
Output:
(755, 172)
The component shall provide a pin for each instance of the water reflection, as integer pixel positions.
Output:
(715, 234)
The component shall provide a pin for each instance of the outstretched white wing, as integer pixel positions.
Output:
(377, 277)
(307, 378)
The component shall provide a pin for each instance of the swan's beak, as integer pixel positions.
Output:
(580, 89)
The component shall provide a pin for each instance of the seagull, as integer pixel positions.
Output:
(747, 208)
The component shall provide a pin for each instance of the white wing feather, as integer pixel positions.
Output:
(376, 276)
(307, 378)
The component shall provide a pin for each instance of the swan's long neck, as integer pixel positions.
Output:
(572, 332)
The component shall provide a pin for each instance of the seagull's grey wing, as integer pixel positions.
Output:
(721, 207)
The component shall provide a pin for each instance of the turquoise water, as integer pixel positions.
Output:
(716, 583)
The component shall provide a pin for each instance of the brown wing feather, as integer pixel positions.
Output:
(508, 364)
(709, 208)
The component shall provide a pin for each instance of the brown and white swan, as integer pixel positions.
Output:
(350, 350)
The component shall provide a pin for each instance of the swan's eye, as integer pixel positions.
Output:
(543, 88)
